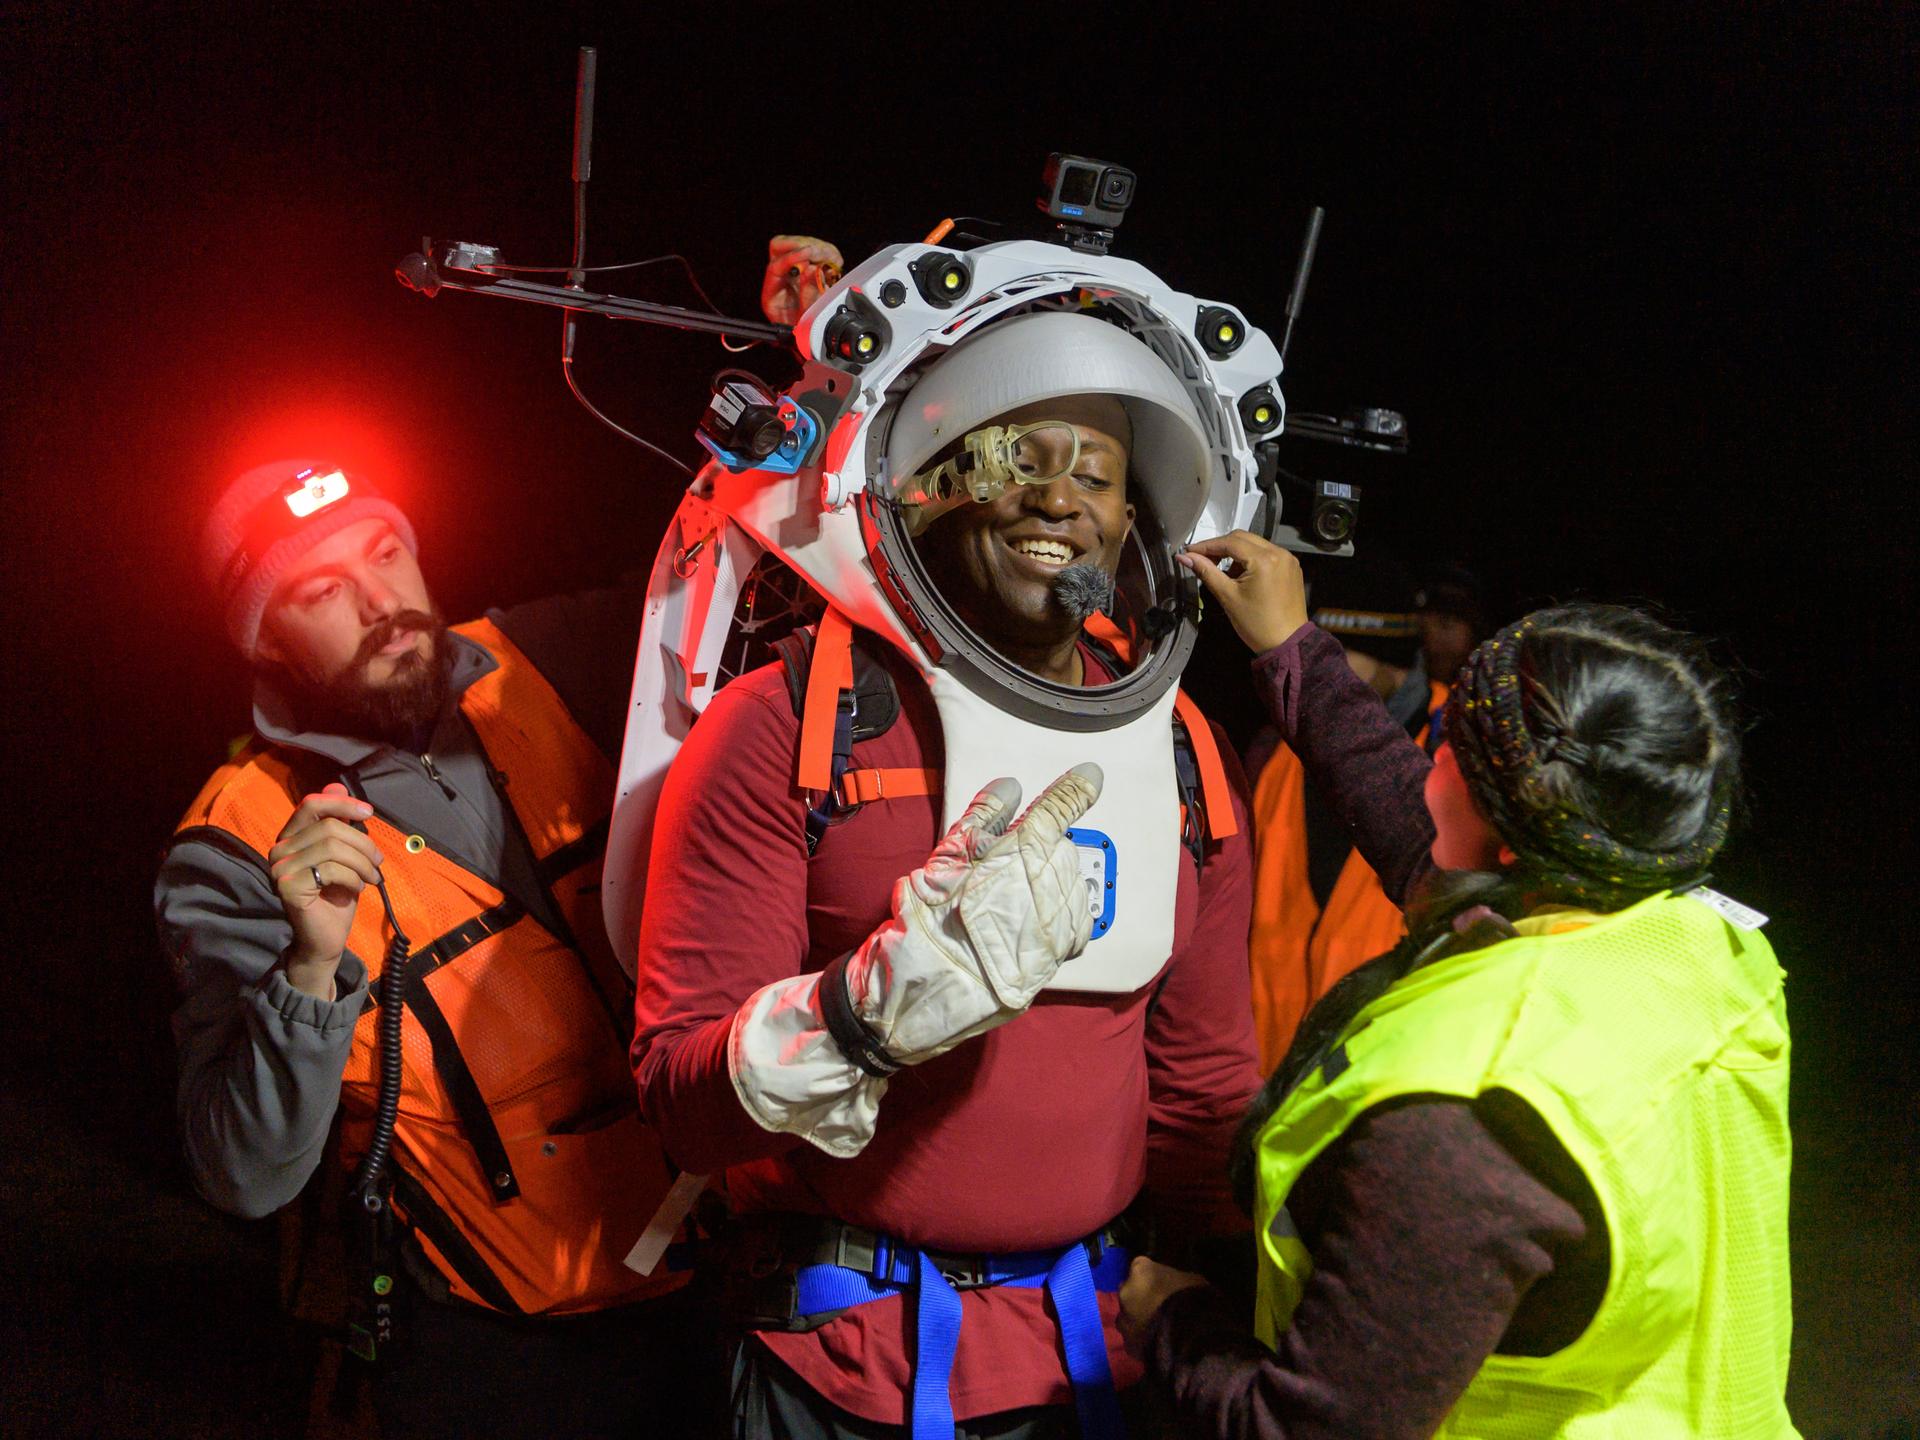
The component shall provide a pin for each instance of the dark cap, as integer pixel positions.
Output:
(1366, 603)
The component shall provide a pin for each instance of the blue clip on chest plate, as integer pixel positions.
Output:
(1100, 871)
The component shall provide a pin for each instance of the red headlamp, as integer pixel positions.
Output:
(287, 510)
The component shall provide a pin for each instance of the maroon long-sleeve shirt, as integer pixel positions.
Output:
(1030, 1136)
(1440, 1231)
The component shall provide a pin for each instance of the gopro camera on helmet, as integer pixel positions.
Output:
(1087, 192)
(1088, 197)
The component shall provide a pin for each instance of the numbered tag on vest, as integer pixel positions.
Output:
(1741, 917)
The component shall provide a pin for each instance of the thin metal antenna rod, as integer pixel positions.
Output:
(1300, 273)
(582, 159)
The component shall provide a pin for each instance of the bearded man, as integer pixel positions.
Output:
(450, 784)
(464, 776)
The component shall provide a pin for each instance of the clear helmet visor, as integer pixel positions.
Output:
(1005, 413)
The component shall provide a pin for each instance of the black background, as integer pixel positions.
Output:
(1641, 284)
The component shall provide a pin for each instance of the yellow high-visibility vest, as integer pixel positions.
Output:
(1653, 1042)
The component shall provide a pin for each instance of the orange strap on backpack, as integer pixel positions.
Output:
(1109, 634)
(1214, 790)
(830, 673)
(857, 787)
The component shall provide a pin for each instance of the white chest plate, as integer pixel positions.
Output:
(1137, 814)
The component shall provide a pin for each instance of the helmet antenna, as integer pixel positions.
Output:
(582, 158)
(1301, 272)
(582, 172)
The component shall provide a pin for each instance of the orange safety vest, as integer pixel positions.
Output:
(520, 1160)
(1298, 950)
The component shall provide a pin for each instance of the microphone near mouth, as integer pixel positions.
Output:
(1083, 589)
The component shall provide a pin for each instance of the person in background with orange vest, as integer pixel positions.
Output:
(1319, 909)
(451, 785)
(1452, 611)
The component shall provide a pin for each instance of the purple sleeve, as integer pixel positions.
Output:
(1203, 1062)
(1434, 1233)
(1370, 770)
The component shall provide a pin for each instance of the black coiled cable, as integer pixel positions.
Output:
(393, 994)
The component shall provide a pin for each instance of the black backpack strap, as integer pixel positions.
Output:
(424, 1215)
(476, 1121)
(1193, 810)
(876, 700)
(794, 651)
(457, 941)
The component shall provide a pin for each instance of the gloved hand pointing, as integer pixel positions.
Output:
(975, 933)
(981, 927)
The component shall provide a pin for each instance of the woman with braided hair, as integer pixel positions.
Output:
(1525, 1174)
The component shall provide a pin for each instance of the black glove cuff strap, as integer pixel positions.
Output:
(849, 1031)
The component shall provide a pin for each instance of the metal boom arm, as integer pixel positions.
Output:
(419, 272)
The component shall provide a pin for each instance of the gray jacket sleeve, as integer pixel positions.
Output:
(260, 1062)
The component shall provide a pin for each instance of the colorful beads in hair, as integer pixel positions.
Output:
(1502, 747)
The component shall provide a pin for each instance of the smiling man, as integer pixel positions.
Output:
(999, 563)
(943, 1109)
(464, 771)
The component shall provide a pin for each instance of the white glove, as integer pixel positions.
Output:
(976, 933)
(981, 927)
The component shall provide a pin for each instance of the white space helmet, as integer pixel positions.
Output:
(900, 371)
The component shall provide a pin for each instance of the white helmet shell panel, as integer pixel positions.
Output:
(1048, 356)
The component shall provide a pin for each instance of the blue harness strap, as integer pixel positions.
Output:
(1070, 1277)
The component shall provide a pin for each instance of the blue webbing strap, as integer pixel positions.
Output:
(1071, 1284)
(936, 1339)
(1070, 1278)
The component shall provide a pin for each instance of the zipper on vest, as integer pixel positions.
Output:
(434, 774)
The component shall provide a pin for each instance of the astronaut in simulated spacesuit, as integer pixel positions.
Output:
(927, 1136)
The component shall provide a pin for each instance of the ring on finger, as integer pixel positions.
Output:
(318, 882)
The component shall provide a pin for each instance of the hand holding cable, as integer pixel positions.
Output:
(975, 934)
(319, 864)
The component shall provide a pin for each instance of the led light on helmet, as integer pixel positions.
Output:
(942, 278)
(1259, 411)
(1220, 331)
(857, 333)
